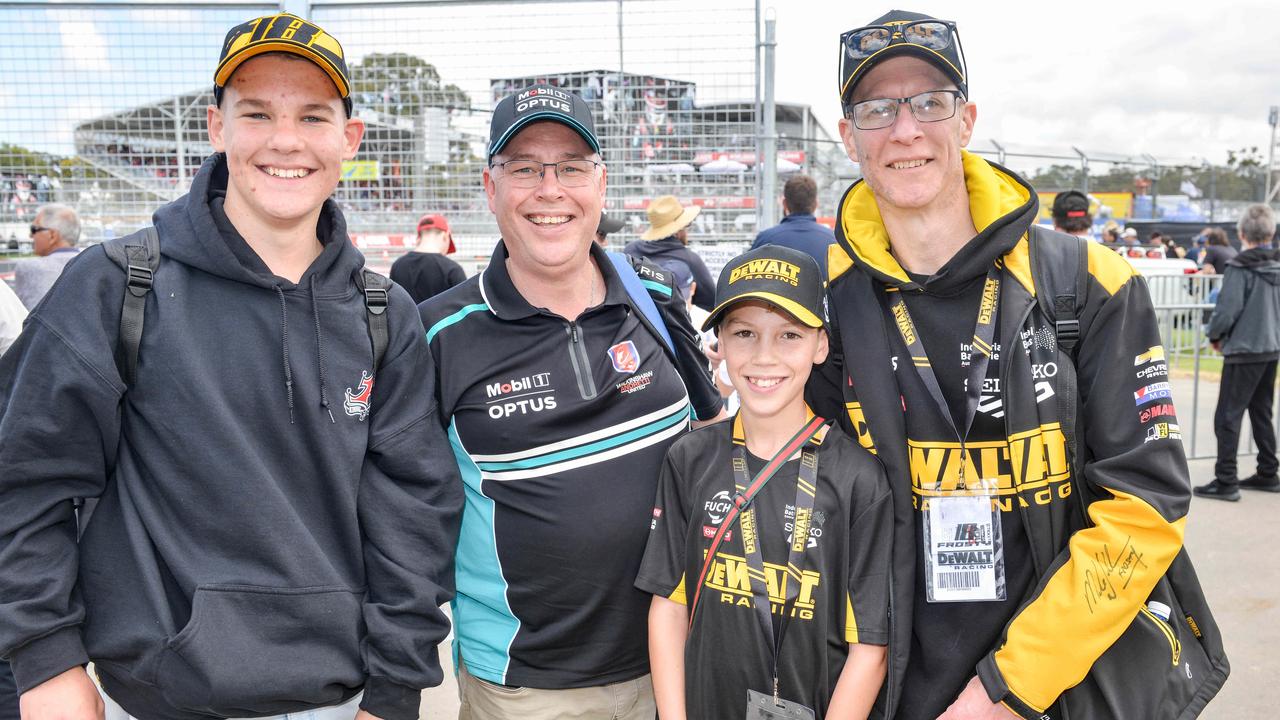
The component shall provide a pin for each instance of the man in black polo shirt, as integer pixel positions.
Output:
(560, 399)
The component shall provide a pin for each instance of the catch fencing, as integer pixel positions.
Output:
(104, 106)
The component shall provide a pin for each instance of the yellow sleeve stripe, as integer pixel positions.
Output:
(850, 622)
(1091, 598)
(677, 595)
(1108, 268)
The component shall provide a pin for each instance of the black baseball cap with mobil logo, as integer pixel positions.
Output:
(537, 103)
(781, 276)
(284, 33)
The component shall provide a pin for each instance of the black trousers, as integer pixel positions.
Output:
(1245, 386)
(8, 693)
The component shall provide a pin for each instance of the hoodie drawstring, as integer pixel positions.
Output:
(315, 311)
(284, 343)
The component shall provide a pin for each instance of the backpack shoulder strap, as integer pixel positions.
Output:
(138, 255)
(638, 290)
(374, 286)
(1060, 271)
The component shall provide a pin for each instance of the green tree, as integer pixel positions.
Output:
(17, 160)
(403, 84)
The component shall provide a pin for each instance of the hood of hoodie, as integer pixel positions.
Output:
(1003, 207)
(1262, 261)
(190, 237)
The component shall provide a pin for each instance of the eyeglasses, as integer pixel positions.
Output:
(38, 229)
(927, 107)
(530, 173)
(859, 44)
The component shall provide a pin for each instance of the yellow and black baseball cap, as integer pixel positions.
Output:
(283, 33)
(781, 276)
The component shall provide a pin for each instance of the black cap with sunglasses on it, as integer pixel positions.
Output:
(537, 103)
(895, 33)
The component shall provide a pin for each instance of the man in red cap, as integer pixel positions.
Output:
(425, 271)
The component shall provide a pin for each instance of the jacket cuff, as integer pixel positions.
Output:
(389, 700)
(46, 657)
(998, 690)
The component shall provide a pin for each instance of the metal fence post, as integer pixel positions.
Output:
(767, 162)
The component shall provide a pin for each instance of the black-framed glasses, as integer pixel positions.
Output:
(859, 44)
(530, 173)
(38, 229)
(926, 107)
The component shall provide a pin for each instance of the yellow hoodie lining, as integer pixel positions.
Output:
(992, 195)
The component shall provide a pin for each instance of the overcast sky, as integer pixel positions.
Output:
(1180, 80)
(1175, 79)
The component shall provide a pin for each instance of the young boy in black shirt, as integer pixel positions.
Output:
(780, 628)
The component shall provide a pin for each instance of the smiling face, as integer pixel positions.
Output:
(910, 165)
(285, 133)
(770, 355)
(549, 227)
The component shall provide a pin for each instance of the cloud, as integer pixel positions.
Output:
(82, 45)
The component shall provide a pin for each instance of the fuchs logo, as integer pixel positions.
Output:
(357, 402)
(625, 357)
(528, 382)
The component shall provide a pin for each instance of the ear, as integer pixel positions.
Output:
(490, 188)
(213, 119)
(352, 134)
(846, 134)
(824, 347)
(968, 116)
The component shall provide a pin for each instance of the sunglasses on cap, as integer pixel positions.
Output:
(860, 44)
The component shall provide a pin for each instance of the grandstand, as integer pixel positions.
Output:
(419, 157)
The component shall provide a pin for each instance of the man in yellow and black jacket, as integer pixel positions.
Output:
(1065, 593)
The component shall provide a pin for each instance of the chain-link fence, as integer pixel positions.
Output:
(104, 107)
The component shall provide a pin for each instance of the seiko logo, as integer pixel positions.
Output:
(1047, 370)
(528, 382)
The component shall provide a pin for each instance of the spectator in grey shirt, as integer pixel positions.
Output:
(54, 234)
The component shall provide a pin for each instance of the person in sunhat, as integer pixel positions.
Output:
(276, 515)
(1007, 601)
(666, 243)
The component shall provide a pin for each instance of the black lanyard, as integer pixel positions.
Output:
(984, 332)
(806, 493)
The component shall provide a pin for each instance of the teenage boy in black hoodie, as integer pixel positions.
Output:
(1005, 602)
(277, 515)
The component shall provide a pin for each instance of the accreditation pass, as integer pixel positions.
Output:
(964, 561)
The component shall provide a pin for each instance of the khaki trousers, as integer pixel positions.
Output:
(627, 700)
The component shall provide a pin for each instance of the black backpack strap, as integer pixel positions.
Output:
(375, 287)
(1060, 271)
(139, 256)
